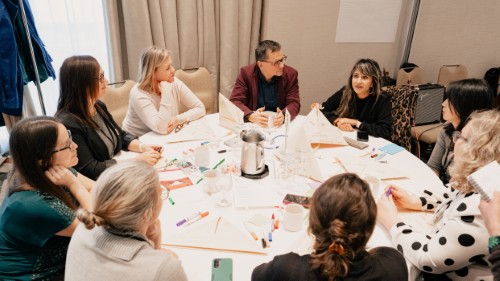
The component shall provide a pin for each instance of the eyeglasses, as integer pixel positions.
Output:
(458, 135)
(278, 62)
(165, 193)
(70, 142)
(101, 78)
(180, 126)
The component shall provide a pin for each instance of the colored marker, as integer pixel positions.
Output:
(218, 164)
(381, 156)
(205, 142)
(199, 180)
(183, 221)
(388, 192)
(270, 236)
(254, 236)
(221, 151)
(272, 222)
(197, 218)
(171, 200)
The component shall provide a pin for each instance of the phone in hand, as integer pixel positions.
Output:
(298, 199)
(222, 269)
(362, 136)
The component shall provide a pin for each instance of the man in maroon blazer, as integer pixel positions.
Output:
(267, 85)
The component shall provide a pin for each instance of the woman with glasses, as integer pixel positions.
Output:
(37, 217)
(82, 83)
(155, 101)
(361, 103)
(341, 220)
(455, 246)
(122, 230)
(463, 97)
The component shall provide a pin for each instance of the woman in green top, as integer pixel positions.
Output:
(37, 218)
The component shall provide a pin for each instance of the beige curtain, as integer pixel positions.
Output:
(220, 35)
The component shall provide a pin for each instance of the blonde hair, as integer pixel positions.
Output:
(482, 147)
(151, 58)
(123, 196)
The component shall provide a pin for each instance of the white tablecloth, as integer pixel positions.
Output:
(197, 262)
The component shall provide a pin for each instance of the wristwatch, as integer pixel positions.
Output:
(493, 242)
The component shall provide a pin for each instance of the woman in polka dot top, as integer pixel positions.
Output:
(456, 246)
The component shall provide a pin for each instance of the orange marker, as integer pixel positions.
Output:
(197, 218)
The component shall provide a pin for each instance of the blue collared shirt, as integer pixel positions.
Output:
(268, 93)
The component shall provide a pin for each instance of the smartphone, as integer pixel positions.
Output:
(222, 269)
(362, 136)
(298, 199)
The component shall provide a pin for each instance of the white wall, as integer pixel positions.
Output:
(447, 32)
(457, 32)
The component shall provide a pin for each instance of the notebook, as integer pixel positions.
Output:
(486, 180)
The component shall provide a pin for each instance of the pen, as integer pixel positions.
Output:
(171, 200)
(254, 236)
(221, 151)
(217, 224)
(220, 162)
(381, 156)
(197, 218)
(388, 192)
(199, 180)
(183, 221)
(273, 222)
(205, 142)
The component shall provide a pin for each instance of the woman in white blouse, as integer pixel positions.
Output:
(155, 100)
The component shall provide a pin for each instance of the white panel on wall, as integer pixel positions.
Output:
(368, 21)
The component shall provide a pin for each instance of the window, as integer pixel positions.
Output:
(68, 28)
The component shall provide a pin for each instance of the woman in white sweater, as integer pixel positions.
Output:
(155, 100)
(119, 237)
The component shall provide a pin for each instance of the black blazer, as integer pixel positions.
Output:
(93, 155)
(376, 118)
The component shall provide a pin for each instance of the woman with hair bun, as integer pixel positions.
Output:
(123, 230)
(341, 220)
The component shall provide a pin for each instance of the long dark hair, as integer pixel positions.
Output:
(79, 87)
(342, 218)
(466, 96)
(367, 67)
(32, 142)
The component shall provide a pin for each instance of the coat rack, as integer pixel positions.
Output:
(33, 60)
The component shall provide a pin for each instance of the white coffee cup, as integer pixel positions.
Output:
(293, 217)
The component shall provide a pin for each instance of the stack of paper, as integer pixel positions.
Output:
(230, 116)
(215, 234)
(196, 130)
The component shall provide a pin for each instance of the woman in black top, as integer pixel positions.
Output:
(361, 103)
(341, 220)
(99, 138)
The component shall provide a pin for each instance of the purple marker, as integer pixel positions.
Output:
(388, 192)
(183, 221)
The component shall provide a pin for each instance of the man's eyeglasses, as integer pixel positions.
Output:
(70, 142)
(458, 135)
(101, 78)
(180, 126)
(278, 62)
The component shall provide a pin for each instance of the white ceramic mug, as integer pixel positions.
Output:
(293, 217)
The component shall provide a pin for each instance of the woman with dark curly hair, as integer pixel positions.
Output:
(342, 218)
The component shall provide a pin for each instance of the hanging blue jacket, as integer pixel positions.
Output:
(16, 67)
